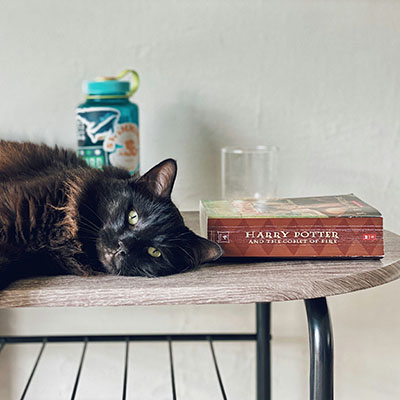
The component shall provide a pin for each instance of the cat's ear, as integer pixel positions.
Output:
(206, 250)
(160, 179)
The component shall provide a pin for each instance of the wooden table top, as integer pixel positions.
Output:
(222, 282)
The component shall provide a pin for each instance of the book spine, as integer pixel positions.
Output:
(298, 237)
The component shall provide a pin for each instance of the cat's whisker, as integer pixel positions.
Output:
(88, 221)
(94, 213)
(88, 233)
(89, 225)
(190, 256)
(89, 229)
(91, 238)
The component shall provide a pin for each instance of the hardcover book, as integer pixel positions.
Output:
(307, 227)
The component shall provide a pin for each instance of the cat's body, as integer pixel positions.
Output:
(59, 216)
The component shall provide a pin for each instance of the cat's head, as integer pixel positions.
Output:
(140, 230)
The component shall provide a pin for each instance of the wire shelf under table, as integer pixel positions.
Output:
(86, 340)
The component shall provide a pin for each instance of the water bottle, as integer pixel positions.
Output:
(108, 123)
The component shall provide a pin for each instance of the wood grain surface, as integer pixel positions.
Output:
(227, 281)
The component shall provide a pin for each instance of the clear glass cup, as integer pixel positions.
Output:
(249, 172)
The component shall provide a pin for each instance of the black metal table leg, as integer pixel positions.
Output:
(263, 352)
(321, 349)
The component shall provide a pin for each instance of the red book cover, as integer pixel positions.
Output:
(307, 227)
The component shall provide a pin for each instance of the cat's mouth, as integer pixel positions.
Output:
(109, 258)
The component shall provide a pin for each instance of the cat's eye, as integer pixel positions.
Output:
(133, 217)
(154, 252)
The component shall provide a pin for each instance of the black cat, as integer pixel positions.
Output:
(59, 216)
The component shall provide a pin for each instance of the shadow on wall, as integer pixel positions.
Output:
(199, 131)
(198, 135)
(6, 322)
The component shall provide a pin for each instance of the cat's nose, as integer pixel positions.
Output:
(122, 250)
(120, 255)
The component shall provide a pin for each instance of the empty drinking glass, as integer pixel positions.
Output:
(249, 172)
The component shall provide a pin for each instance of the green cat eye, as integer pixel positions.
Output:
(133, 217)
(154, 252)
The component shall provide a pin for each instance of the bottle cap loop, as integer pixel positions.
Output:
(112, 87)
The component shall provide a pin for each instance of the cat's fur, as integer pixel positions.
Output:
(59, 216)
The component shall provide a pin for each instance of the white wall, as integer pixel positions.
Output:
(320, 79)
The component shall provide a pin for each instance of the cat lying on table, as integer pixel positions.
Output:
(59, 216)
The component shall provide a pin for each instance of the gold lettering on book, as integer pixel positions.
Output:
(314, 236)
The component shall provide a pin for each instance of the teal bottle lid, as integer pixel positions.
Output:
(105, 87)
(111, 87)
